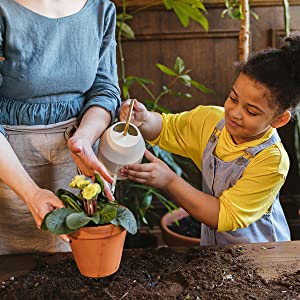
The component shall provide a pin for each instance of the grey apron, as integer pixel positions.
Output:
(219, 176)
(43, 152)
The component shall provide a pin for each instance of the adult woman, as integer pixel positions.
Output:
(58, 73)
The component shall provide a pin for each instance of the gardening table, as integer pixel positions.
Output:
(271, 259)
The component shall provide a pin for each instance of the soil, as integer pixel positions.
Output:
(161, 273)
(187, 226)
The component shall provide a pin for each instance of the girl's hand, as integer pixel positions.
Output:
(87, 162)
(43, 202)
(156, 173)
(139, 112)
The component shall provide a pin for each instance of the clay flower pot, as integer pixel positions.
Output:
(98, 250)
(172, 238)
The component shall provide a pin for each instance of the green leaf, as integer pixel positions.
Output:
(99, 180)
(196, 15)
(125, 29)
(166, 70)
(168, 4)
(77, 220)
(186, 79)
(142, 80)
(202, 87)
(255, 15)
(69, 199)
(56, 221)
(124, 16)
(125, 90)
(146, 202)
(169, 160)
(107, 213)
(126, 219)
(43, 225)
(183, 18)
(179, 65)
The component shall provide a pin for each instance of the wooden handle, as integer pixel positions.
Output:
(128, 117)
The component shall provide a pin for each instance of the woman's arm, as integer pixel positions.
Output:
(39, 201)
(92, 125)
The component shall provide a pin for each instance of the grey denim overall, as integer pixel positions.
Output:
(219, 176)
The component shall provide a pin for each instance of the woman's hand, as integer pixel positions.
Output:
(139, 112)
(87, 162)
(42, 202)
(156, 173)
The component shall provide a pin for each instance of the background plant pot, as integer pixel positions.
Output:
(98, 250)
(172, 238)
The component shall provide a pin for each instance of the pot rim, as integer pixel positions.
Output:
(177, 214)
(96, 231)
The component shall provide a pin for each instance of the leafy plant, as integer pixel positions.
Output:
(136, 196)
(90, 207)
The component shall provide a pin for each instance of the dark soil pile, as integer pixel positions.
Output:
(162, 273)
(187, 226)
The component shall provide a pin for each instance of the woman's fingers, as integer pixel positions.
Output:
(65, 238)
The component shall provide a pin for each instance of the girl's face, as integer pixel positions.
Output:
(248, 115)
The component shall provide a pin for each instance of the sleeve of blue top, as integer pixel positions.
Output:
(105, 91)
(1, 55)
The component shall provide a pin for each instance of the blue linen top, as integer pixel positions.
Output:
(56, 68)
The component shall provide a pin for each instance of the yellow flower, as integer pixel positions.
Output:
(91, 191)
(83, 183)
(75, 180)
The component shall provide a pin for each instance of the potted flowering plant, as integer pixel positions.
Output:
(96, 225)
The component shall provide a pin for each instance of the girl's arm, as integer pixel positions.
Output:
(201, 206)
(149, 123)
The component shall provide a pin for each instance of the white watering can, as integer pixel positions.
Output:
(121, 144)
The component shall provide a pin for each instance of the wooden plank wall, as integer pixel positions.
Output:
(160, 38)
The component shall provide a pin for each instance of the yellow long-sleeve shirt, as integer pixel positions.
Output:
(187, 134)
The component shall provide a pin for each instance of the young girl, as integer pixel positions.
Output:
(237, 149)
(57, 73)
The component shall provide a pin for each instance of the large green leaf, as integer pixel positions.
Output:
(126, 219)
(186, 9)
(56, 221)
(77, 220)
(107, 213)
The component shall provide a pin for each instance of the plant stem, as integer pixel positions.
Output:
(145, 7)
(122, 59)
(163, 93)
(286, 17)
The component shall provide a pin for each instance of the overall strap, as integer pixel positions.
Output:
(271, 141)
(217, 131)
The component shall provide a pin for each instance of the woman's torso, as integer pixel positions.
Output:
(49, 62)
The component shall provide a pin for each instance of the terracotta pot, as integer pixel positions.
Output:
(98, 250)
(172, 238)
